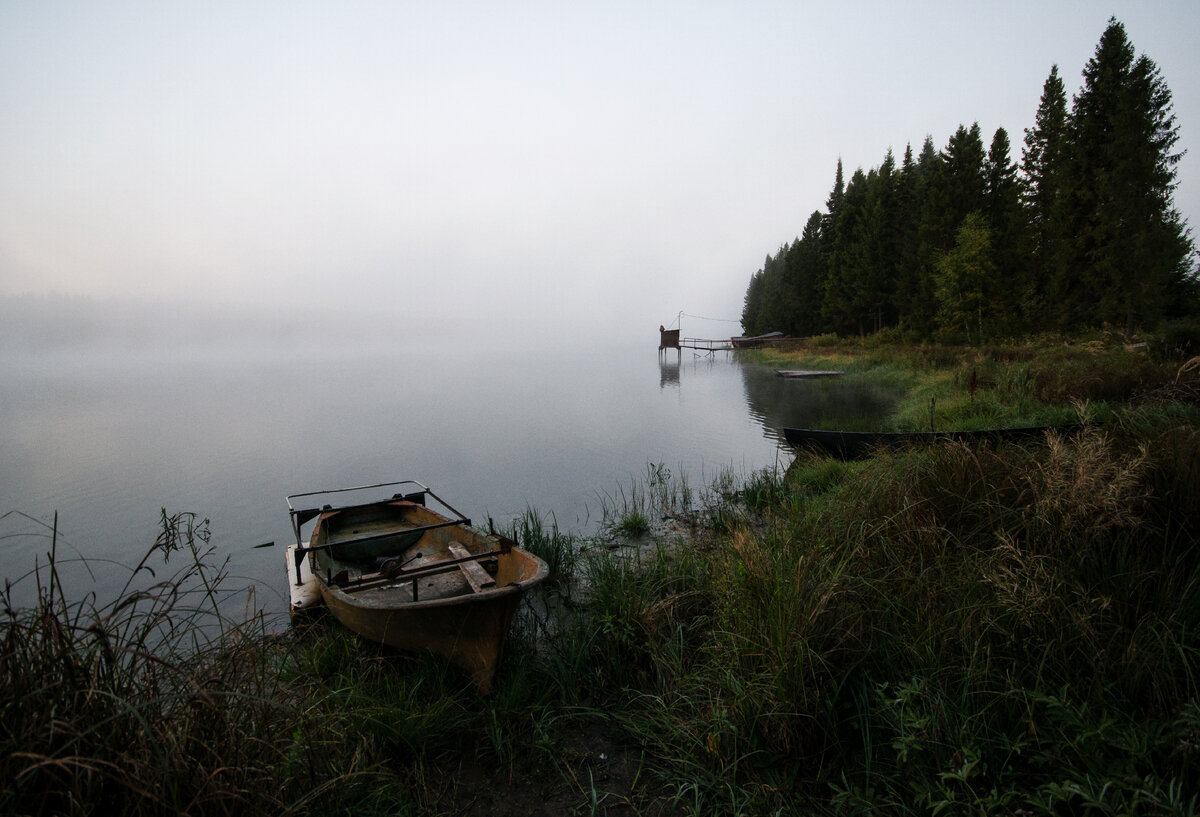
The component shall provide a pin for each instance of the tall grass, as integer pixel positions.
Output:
(138, 705)
(996, 629)
(1004, 629)
(979, 630)
(157, 702)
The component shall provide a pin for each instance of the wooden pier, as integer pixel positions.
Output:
(703, 345)
(807, 373)
(669, 339)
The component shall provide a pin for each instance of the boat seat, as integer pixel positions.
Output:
(475, 571)
(476, 576)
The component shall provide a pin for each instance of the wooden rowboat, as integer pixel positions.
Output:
(400, 573)
(854, 444)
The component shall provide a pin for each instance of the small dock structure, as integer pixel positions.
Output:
(670, 339)
(807, 373)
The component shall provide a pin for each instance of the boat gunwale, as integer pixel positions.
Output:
(352, 597)
(481, 597)
(301, 516)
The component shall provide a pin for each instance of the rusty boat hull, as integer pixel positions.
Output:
(400, 573)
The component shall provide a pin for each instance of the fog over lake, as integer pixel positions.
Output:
(248, 250)
(125, 417)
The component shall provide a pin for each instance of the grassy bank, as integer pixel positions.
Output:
(1043, 383)
(1002, 630)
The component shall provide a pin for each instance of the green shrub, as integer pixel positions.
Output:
(1179, 339)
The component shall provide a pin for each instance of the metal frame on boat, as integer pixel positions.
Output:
(299, 517)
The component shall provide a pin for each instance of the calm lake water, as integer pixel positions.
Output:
(106, 438)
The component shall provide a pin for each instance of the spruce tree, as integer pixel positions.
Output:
(928, 157)
(1042, 165)
(775, 302)
(883, 234)
(1002, 207)
(905, 289)
(829, 231)
(1123, 245)
(807, 265)
(834, 203)
(961, 180)
(752, 305)
(955, 188)
(849, 261)
(917, 296)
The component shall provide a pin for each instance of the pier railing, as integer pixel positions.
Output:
(706, 345)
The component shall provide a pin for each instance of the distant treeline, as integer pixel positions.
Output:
(966, 243)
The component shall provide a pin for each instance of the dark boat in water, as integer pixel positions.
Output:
(854, 444)
(398, 572)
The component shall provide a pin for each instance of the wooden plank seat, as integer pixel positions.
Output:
(460, 559)
(477, 577)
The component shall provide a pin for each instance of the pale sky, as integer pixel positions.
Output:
(497, 165)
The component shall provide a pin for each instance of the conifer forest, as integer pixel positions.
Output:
(970, 244)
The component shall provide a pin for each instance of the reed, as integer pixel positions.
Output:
(557, 548)
(141, 704)
(638, 510)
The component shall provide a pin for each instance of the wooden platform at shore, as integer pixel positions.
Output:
(809, 373)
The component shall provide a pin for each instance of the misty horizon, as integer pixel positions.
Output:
(519, 173)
